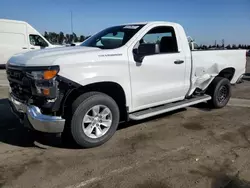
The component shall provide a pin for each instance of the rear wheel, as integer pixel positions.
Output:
(220, 91)
(95, 119)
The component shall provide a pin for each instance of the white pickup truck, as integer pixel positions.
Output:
(126, 72)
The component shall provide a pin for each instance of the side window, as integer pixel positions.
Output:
(193, 46)
(196, 47)
(164, 37)
(36, 40)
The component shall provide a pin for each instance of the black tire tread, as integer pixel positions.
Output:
(213, 87)
(82, 98)
(67, 137)
(81, 101)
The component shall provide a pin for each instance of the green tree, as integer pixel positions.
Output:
(229, 46)
(71, 38)
(75, 38)
(46, 35)
(61, 38)
(205, 47)
(53, 37)
(67, 38)
(82, 38)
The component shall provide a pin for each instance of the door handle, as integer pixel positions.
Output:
(24, 48)
(32, 48)
(178, 62)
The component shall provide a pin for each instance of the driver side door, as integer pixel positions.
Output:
(160, 77)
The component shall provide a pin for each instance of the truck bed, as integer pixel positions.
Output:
(209, 63)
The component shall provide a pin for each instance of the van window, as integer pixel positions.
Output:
(12, 39)
(36, 40)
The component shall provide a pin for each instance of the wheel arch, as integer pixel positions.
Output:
(227, 73)
(112, 89)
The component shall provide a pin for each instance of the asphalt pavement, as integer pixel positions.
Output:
(3, 79)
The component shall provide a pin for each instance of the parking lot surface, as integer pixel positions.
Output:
(193, 147)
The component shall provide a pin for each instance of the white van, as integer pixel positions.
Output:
(17, 37)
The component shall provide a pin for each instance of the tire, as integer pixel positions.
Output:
(220, 91)
(83, 106)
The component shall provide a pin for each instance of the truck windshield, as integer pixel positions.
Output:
(113, 37)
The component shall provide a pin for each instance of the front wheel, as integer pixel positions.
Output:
(220, 91)
(95, 119)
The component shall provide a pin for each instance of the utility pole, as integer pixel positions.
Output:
(223, 43)
(71, 22)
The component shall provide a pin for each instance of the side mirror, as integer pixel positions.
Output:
(144, 50)
(148, 49)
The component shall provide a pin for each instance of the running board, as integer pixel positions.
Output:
(168, 107)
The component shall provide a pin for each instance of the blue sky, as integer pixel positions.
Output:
(204, 20)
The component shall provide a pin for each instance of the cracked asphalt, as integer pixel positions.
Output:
(192, 147)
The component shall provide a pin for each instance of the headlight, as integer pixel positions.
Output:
(44, 75)
(44, 81)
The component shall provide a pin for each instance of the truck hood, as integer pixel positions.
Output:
(46, 57)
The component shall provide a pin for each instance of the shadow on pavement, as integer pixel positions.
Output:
(246, 78)
(10, 129)
(219, 176)
(13, 133)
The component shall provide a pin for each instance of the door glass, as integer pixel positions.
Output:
(164, 37)
(36, 40)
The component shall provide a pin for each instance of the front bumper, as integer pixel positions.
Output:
(32, 115)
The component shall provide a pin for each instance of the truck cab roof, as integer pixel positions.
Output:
(151, 22)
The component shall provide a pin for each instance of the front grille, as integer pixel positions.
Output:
(20, 84)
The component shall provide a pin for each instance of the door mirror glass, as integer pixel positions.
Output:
(148, 49)
(145, 49)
